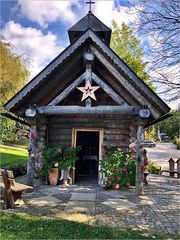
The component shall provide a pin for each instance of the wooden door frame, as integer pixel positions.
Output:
(101, 137)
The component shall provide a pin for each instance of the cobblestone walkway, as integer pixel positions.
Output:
(157, 210)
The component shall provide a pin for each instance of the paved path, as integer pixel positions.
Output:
(157, 210)
(162, 153)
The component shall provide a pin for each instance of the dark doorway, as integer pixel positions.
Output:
(88, 157)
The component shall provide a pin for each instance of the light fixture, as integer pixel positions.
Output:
(31, 111)
(144, 112)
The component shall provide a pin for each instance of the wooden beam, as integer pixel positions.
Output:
(109, 90)
(68, 90)
(148, 93)
(124, 81)
(55, 110)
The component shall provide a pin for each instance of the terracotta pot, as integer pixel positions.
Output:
(53, 176)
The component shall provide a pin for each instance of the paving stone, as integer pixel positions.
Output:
(44, 201)
(119, 204)
(53, 190)
(77, 206)
(83, 196)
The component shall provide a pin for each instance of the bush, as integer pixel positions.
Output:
(153, 168)
(177, 142)
(119, 168)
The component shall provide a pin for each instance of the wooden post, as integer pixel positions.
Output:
(178, 167)
(8, 191)
(139, 161)
(32, 156)
(171, 166)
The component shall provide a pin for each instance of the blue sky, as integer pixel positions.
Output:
(38, 29)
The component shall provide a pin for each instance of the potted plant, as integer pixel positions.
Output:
(68, 160)
(52, 157)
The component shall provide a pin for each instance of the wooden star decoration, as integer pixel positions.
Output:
(88, 91)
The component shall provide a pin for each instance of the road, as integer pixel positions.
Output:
(162, 153)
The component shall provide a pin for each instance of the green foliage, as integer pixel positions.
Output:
(68, 157)
(127, 47)
(60, 155)
(13, 76)
(170, 126)
(119, 168)
(13, 71)
(154, 168)
(7, 130)
(151, 133)
(23, 226)
(177, 142)
(11, 157)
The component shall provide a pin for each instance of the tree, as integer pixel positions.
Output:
(127, 47)
(13, 71)
(159, 21)
(13, 76)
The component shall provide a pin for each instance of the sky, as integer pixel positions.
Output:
(38, 28)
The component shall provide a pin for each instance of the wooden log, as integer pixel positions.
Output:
(136, 94)
(68, 90)
(32, 155)
(52, 110)
(109, 90)
(8, 192)
(139, 161)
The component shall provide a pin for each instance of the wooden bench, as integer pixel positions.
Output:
(12, 190)
(171, 169)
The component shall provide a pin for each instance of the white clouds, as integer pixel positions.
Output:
(44, 12)
(106, 12)
(40, 48)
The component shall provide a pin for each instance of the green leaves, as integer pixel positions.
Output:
(119, 167)
(127, 47)
(61, 154)
(13, 71)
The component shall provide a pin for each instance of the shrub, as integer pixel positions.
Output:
(177, 142)
(119, 168)
(153, 168)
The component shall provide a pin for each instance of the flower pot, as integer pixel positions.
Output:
(53, 176)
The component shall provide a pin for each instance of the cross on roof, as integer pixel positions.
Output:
(90, 2)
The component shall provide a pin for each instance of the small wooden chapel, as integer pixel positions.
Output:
(87, 96)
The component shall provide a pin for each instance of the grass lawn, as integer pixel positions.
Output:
(23, 226)
(11, 157)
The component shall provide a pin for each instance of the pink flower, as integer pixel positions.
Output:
(119, 178)
(112, 178)
(133, 149)
(109, 182)
(33, 135)
(124, 169)
(142, 167)
(112, 169)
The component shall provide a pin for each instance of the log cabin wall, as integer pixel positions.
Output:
(117, 129)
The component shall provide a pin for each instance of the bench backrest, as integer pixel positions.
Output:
(10, 176)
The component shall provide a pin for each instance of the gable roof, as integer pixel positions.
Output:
(100, 49)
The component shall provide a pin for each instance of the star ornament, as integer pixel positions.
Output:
(88, 91)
